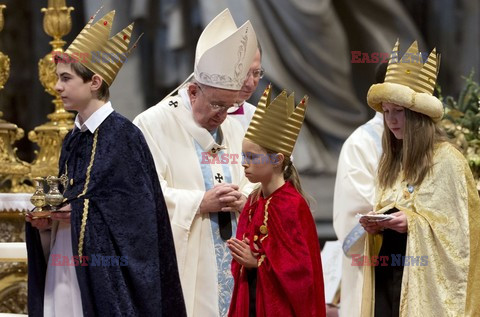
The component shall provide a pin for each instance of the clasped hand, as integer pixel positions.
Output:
(399, 223)
(242, 253)
(223, 197)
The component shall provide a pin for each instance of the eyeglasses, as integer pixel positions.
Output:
(256, 73)
(221, 108)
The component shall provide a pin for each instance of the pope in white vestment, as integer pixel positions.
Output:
(196, 147)
(172, 135)
(355, 193)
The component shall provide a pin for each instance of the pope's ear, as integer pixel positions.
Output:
(193, 91)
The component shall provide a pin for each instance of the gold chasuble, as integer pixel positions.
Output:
(441, 275)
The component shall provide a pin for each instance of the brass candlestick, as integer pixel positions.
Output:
(49, 136)
(13, 171)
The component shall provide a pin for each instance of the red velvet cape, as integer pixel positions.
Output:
(289, 276)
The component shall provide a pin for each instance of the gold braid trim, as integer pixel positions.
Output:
(86, 201)
(82, 228)
(260, 260)
(67, 183)
(265, 218)
(89, 169)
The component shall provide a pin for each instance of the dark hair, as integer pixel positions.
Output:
(260, 49)
(380, 72)
(103, 93)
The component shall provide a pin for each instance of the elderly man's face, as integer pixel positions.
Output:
(210, 105)
(255, 73)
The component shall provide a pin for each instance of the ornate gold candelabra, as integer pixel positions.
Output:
(49, 136)
(13, 171)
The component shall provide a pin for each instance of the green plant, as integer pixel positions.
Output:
(462, 122)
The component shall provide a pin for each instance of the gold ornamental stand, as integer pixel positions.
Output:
(49, 136)
(13, 171)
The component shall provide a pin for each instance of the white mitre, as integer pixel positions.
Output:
(224, 53)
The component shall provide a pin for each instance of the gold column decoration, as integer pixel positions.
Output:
(49, 136)
(13, 171)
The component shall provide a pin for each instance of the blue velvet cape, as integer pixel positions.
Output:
(127, 218)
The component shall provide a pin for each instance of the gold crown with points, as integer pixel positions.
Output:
(103, 55)
(411, 71)
(276, 125)
(409, 83)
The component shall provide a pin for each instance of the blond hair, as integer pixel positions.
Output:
(414, 153)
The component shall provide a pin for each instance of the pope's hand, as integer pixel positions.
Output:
(223, 197)
(233, 200)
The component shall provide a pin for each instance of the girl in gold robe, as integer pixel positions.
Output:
(431, 246)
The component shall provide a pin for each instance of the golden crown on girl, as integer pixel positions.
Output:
(276, 125)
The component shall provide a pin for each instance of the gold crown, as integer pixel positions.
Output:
(276, 125)
(410, 71)
(103, 55)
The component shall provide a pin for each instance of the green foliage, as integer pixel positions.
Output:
(462, 122)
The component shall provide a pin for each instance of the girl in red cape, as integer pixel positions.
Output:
(276, 255)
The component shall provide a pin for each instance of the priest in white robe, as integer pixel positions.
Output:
(355, 193)
(197, 153)
(244, 114)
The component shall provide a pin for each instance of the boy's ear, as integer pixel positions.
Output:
(96, 82)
